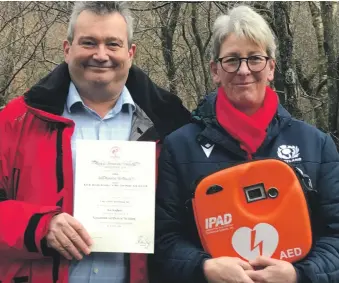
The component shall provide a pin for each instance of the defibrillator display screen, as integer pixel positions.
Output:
(255, 192)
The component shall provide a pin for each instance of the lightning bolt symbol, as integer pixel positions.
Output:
(253, 241)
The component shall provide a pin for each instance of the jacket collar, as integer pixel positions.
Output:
(205, 112)
(50, 94)
(205, 116)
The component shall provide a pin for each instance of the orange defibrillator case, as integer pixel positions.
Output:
(255, 208)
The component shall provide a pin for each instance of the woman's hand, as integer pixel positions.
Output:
(227, 270)
(272, 271)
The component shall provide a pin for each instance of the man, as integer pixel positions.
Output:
(95, 94)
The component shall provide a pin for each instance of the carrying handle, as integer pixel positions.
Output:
(306, 180)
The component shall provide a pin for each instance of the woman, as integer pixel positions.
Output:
(243, 120)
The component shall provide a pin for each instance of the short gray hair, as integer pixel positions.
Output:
(101, 8)
(243, 22)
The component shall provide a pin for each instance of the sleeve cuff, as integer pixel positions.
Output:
(37, 229)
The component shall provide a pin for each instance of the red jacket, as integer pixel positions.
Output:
(36, 176)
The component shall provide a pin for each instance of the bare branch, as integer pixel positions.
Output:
(208, 26)
(19, 14)
(191, 58)
(320, 87)
(8, 83)
(222, 6)
(199, 44)
(153, 8)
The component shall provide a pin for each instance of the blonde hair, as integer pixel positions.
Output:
(243, 22)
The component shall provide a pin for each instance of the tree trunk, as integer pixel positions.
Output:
(169, 17)
(200, 45)
(320, 114)
(285, 38)
(327, 12)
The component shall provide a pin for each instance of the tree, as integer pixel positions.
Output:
(288, 68)
(173, 47)
(168, 16)
(25, 26)
(328, 10)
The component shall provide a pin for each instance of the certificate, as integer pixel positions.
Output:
(114, 194)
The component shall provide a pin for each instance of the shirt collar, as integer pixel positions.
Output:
(74, 98)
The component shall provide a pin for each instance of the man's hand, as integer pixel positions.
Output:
(227, 269)
(68, 237)
(273, 271)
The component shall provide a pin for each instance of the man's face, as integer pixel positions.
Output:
(99, 55)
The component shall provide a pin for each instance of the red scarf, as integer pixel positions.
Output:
(250, 131)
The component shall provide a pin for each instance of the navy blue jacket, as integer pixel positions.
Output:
(179, 255)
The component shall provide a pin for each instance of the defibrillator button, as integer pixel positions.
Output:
(214, 189)
(273, 192)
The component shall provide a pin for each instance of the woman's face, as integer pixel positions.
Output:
(244, 88)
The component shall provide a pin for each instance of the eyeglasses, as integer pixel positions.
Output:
(231, 64)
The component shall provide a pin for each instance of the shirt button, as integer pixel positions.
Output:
(95, 270)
